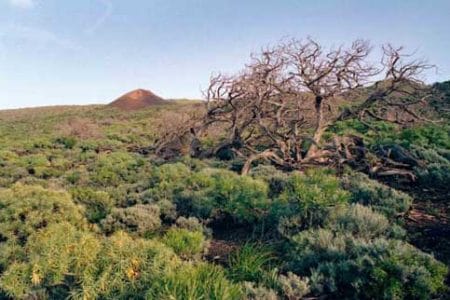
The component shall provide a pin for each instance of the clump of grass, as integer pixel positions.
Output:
(251, 263)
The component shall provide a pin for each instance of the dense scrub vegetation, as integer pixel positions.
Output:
(87, 213)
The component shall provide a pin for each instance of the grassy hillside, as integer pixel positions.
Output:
(87, 211)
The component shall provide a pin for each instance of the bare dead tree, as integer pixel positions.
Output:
(282, 103)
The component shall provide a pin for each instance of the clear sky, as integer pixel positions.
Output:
(92, 51)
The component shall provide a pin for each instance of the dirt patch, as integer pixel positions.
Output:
(220, 250)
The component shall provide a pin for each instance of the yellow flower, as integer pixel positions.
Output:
(36, 278)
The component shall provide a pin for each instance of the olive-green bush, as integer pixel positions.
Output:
(293, 286)
(115, 168)
(185, 243)
(342, 266)
(307, 199)
(259, 292)
(380, 197)
(141, 218)
(435, 176)
(359, 220)
(54, 253)
(98, 204)
(27, 209)
(195, 281)
(213, 192)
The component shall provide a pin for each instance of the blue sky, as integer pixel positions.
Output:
(91, 51)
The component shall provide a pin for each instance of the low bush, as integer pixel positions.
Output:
(293, 286)
(98, 203)
(258, 292)
(55, 252)
(429, 155)
(115, 168)
(213, 192)
(429, 136)
(342, 266)
(128, 267)
(193, 224)
(187, 244)
(307, 199)
(195, 281)
(27, 209)
(142, 219)
(358, 220)
(66, 141)
(435, 176)
(380, 197)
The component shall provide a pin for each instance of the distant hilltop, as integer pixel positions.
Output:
(137, 99)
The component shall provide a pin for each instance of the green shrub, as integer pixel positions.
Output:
(359, 220)
(141, 218)
(213, 192)
(98, 203)
(293, 286)
(115, 168)
(167, 181)
(165, 184)
(187, 244)
(342, 266)
(429, 136)
(66, 141)
(54, 253)
(307, 199)
(128, 267)
(27, 209)
(429, 155)
(193, 224)
(435, 176)
(64, 262)
(276, 179)
(380, 197)
(250, 263)
(258, 292)
(195, 281)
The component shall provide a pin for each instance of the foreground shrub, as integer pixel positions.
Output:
(307, 199)
(195, 281)
(380, 197)
(293, 286)
(127, 267)
(257, 292)
(342, 266)
(187, 244)
(64, 262)
(54, 253)
(142, 219)
(27, 209)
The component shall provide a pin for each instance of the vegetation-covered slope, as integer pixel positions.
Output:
(88, 212)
